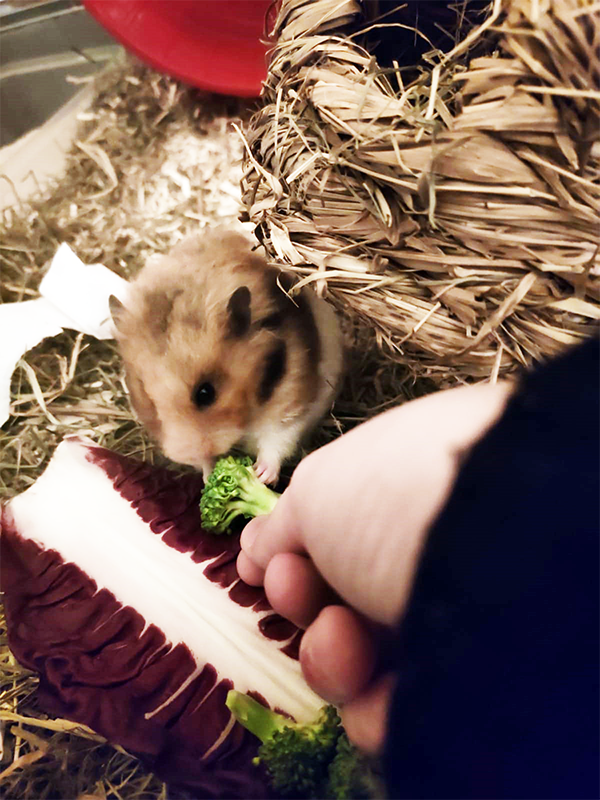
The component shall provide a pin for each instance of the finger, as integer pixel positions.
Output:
(365, 718)
(348, 539)
(295, 589)
(338, 655)
(277, 532)
(248, 571)
(251, 531)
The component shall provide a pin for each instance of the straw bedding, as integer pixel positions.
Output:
(152, 162)
(455, 214)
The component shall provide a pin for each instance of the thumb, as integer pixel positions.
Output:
(338, 655)
(265, 536)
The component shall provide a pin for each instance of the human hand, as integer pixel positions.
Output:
(338, 554)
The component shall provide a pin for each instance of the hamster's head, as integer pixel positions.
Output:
(204, 351)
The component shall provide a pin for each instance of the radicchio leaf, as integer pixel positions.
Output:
(137, 622)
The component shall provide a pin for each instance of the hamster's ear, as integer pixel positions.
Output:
(238, 312)
(117, 310)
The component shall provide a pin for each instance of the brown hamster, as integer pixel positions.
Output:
(218, 355)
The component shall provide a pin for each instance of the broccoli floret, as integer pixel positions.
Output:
(296, 756)
(233, 490)
(351, 776)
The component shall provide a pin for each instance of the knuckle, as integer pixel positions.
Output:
(304, 474)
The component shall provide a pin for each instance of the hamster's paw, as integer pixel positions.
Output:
(267, 471)
(206, 468)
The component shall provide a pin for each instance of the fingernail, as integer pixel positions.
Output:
(314, 675)
(248, 571)
(249, 534)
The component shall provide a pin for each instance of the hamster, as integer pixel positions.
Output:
(218, 355)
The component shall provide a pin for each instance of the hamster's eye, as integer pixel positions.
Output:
(204, 395)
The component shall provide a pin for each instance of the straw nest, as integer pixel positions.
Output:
(451, 209)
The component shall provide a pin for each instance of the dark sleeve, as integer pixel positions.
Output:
(498, 654)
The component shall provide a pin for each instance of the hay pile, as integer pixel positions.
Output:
(456, 215)
(153, 161)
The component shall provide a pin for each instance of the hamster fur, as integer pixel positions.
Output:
(218, 355)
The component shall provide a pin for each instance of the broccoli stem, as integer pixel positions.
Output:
(258, 498)
(260, 721)
(310, 760)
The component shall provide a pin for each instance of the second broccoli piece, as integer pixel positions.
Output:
(351, 775)
(233, 490)
(296, 756)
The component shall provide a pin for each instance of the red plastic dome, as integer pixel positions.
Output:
(217, 45)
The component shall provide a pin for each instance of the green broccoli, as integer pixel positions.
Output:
(232, 490)
(297, 757)
(351, 774)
